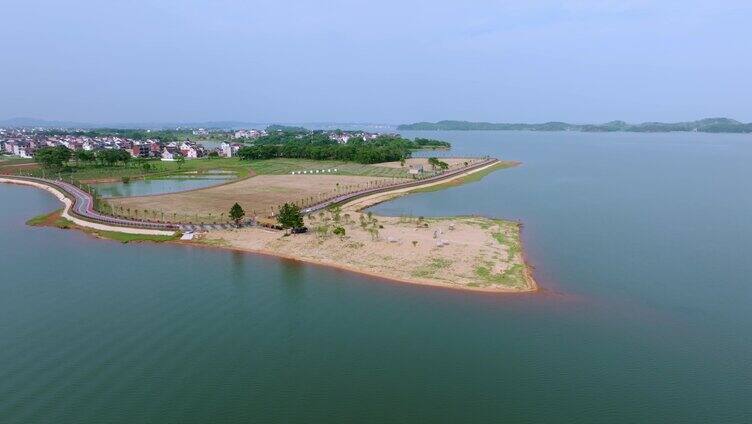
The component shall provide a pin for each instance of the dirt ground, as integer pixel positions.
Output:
(257, 195)
(424, 161)
(462, 252)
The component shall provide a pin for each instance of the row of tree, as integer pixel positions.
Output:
(318, 146)
(59, 156)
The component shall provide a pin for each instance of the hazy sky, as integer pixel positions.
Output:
(375, 61)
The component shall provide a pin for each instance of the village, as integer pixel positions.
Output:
(24, 142)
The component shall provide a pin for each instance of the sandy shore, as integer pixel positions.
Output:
(467, 253)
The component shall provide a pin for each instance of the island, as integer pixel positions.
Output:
(299, 195)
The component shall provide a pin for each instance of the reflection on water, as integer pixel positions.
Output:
(648, 236)
(163, 185)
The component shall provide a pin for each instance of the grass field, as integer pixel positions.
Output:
(13, 160)
(159, 169)
(128, 238)
(286, 166)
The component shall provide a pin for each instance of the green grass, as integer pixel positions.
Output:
(46, 219)
(13, 160)
(41, 219)
(476, 176)
(60, 222)
(430, 269)
(513, 277)
(128, 238)
(159, 169)
(286, 166)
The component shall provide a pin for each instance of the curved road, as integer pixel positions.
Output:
(367, 192)
(83, 202)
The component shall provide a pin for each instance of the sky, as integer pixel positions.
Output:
(375, 61)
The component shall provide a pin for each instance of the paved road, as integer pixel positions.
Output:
(83, 206)
(83, 202)
(362, 193)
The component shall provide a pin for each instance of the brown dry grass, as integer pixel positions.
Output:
(424, 162)
(260, 194)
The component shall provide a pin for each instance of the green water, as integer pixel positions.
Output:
(161, 185)
(642, 243)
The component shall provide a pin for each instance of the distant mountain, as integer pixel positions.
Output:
(42, 123)
(710, 125)
(33, 122)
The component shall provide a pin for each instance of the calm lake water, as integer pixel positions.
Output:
(160, 186)
(641, 241)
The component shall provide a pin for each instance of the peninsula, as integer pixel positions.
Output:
(296, 195)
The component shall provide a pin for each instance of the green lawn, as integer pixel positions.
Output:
(159, 169)
(14, 160)
(286, 166)
(477, 176)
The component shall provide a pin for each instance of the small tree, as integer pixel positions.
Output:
(289, 216)
(180, 160)
(236, 213)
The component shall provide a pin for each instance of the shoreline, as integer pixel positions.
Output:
(354, 205)
(78, 221)
(413, 281)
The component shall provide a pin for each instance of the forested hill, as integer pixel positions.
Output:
(710, 125)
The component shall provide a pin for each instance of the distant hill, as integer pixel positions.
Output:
(42, 123)
(710, 125)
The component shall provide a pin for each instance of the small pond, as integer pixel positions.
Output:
(171, 184)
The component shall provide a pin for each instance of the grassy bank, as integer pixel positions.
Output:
(476, 176)
(128, 238)
(53, 219)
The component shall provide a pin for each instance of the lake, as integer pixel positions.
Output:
(641, 243)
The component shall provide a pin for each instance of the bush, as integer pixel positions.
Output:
(339, 231)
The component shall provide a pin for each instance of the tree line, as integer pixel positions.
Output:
(318, 146)
(59, 156)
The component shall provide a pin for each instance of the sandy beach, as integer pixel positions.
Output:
(468, 253)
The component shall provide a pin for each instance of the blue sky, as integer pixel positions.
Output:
(375, 61)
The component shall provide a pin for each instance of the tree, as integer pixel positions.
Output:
(113, 156)
(289, 216)
(53, 157)
(436, 163)
(236, 213)
(85, 156)
(180, 160)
